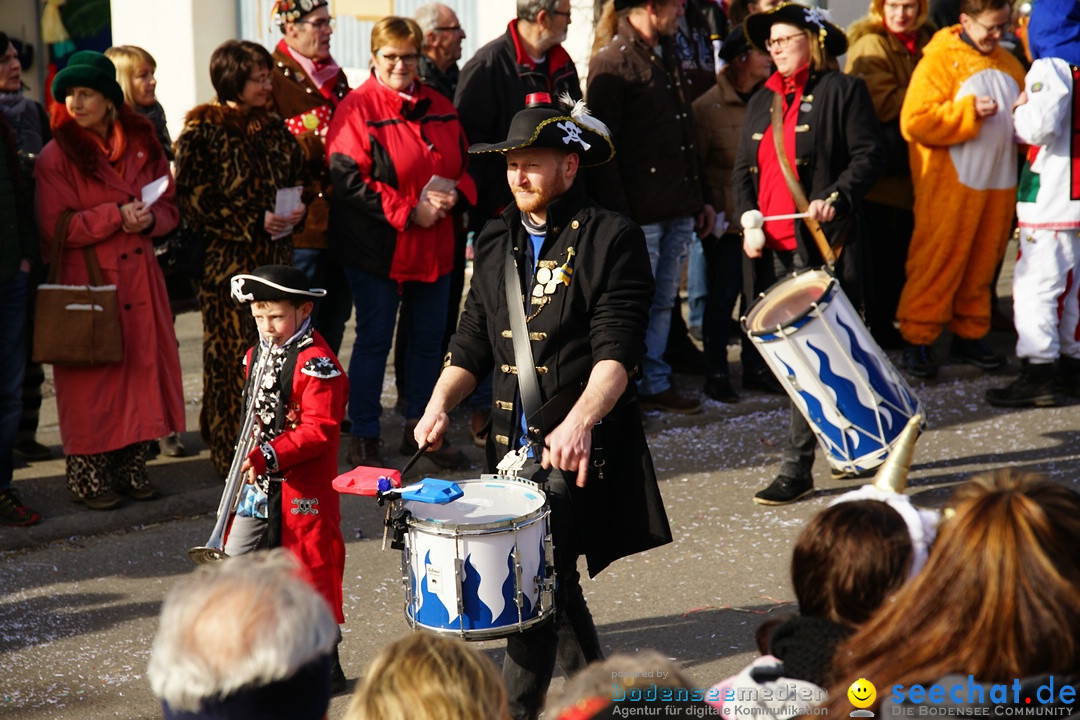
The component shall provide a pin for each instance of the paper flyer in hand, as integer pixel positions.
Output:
(438, 183)
(286, 203)
(153, 191)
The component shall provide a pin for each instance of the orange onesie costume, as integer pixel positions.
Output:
(964, 172)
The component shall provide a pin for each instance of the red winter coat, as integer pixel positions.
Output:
(382, 150)
(112, 406)
(307, 455)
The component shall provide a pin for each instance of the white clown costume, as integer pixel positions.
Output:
(1046, 280)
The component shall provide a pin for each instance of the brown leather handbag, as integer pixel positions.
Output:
(76, 324)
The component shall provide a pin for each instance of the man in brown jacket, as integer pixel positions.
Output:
(308, 85)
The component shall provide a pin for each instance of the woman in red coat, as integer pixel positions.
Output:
(101, 156)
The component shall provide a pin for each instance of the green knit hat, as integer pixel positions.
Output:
(91, 69)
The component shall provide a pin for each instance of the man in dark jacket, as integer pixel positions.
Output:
(528, 58)
(18, 248)
(308, 85)
(442, 47)
(637, 87)
(588, 286)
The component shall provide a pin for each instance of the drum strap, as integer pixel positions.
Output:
(801, 203)
(528, 385)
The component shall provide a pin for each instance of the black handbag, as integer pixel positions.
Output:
(181, 256)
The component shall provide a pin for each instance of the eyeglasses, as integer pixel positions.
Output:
(451, 28)
(320, 24)
(392, 60)
(999, 29)
(261, 79)
(781, 42)
(560, 12)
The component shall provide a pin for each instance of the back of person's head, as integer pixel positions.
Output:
(233, 63)
(999, 597)
(848, 559)
(616, 674)
(972, 8)
(247, 637)
(424, 676)
(128, 59)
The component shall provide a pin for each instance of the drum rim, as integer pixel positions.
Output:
(756, 305)
(453, 529)
(491, 633)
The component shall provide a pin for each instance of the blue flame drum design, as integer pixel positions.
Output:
(479, 566)
(843, 383)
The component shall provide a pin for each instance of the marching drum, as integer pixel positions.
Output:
(479, 567)
(824, 356)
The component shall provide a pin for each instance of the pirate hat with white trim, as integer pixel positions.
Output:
(272, 283)
(542, 124)
(757, 26)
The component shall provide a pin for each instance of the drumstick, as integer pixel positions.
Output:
(752, 222)
(408, 466)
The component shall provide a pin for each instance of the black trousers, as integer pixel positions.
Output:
(797, 458)
(569, 638)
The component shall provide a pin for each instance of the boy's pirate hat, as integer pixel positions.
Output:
(544, 125)
(272, 283)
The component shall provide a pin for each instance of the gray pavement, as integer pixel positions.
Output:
(79, 593)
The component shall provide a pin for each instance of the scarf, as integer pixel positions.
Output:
(323, 74)
(907, 40)
(25, 117)
(112, 147)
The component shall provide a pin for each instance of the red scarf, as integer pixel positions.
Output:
(112, 147)
(907, 40)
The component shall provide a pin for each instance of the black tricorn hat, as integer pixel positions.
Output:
(735, 44)
(272, 283)
(544, 125)
(757, 26)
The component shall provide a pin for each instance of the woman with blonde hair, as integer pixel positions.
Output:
(998, 600)
(135, 70)
(424, 676)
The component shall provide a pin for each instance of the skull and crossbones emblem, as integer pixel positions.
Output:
(573, 134)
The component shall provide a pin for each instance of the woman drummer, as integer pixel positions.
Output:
(834, 152)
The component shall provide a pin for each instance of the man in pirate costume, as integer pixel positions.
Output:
(288, 500)
(584, 296)
(308, 85)
(1045, 299)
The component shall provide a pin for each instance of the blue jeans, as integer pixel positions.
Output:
(669, 244)
(14, 296)
(331, 312)
(424, 315)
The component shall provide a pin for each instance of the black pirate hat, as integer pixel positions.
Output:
(544, 125)
(272, 283)
(757, 26)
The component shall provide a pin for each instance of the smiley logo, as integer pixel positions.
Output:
(862, 693)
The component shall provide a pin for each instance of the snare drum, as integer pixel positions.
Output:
(824, 356)
(480, 566)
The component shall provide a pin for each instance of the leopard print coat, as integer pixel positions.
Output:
(230, 163)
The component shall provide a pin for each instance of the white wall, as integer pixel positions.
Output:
(181, 35)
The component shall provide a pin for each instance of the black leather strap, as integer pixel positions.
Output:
(528, 385)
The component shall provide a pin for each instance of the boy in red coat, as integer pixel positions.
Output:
(288, 500)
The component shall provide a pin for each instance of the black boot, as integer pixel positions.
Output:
(1069, 376)
(1036, 387)
(337, 675)
(718, 387)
